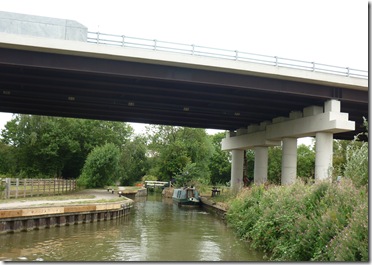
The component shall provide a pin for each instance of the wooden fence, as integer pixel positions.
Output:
(21, 188)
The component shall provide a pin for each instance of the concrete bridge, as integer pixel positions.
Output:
(56, 67)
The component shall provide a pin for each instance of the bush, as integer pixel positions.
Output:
(351, 243)
(101, 167)
(356, 166)
(149, 178)
(304, 222)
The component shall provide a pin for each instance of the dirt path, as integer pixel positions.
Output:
(99, 194)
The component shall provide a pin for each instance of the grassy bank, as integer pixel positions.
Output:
(319, 222)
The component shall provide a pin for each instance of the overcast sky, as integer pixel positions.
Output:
(326, 31)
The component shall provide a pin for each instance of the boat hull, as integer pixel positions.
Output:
(186, 196)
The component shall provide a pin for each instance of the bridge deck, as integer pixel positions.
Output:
(76, 79)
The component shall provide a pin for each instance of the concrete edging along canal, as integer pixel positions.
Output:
(217, 208)
(25, 216)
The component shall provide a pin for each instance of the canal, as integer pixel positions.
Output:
(156, 230)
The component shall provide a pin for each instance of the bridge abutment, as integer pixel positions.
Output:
(315, 121)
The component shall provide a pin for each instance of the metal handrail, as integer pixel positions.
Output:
(196, 50)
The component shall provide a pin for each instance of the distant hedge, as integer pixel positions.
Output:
(303, 222)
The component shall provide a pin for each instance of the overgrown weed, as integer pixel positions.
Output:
(303, 222)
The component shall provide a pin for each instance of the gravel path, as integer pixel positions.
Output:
(100, 194)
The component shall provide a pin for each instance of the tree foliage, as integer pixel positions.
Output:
(172, 149)
(274, 165)
(7, 159)
(53, 146)
(356, 166)
(41, 144)
(133, 161)
(305, 162)
(101, 167)
(220, 165)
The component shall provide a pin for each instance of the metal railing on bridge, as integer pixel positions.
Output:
(158, 45)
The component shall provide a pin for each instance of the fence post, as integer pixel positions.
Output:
(38, 187)
(7, 188)
(17, 185)
(24, 188)
(32, 187)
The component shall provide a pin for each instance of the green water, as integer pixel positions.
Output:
(156, 230)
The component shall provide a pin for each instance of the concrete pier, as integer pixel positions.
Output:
(261, 157)
(320, 122)
(289, 161)
(237, 170)
(323, 155)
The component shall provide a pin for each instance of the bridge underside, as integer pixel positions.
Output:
(75, 86)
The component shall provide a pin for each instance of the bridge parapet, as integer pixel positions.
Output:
(234, 55)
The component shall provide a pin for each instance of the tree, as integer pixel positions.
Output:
(8, 159)
(133, 161)
(41, 144)
(173, 148)
(305, 162)
(90, 134)
(220, 162)
(53, 146)
(275, 165)
(250, 164)
(188, 174)
(101, 167)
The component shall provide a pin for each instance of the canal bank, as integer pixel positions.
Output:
(27, 215)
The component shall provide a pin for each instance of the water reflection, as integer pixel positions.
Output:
(157, 230)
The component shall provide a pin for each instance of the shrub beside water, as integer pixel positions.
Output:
(302, 222)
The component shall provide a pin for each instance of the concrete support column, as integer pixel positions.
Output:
(323, 156)
(236, 170)
(261, 158)
(289, 161)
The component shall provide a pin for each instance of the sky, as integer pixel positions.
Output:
(333, 32)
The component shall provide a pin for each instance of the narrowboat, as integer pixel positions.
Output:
(186, 196)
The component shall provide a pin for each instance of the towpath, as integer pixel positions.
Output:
(99, 194)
